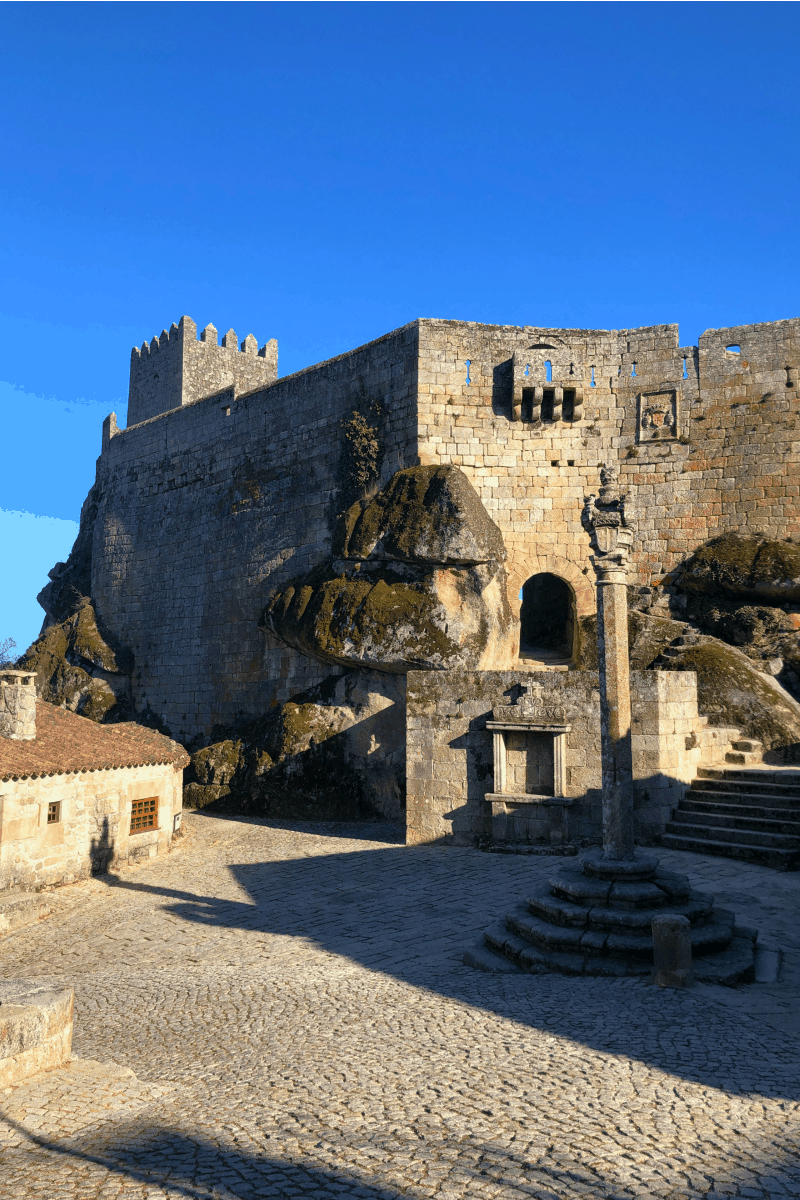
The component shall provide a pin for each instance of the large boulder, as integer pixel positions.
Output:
(418, 583)
(732, 691)
(747, 568)
(334, 752)
(430, 515)
(648, 637)
(76, 667)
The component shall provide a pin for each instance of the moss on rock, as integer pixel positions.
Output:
(77, 668)
(425, 515)
(648, 637)
(745, 567)
(731, 691)
(311, 757)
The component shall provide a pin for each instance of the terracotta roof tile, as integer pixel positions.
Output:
(66, 743)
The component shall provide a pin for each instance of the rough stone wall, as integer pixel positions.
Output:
(728, 461)
(209, 508)
(93, 830)
(215, 504)
(177, 368)
(449, 758)
(450, 761)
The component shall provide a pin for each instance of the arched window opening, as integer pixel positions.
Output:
(547, 619)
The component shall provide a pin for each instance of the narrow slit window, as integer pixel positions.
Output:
(568, 406)
(144, 814)
(548, 399)
(548, 371)
(54, 813)
(528, 395)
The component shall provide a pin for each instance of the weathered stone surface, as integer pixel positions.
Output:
(337, 751)
(71, 582)
(732, 691)
(420, 584)
(425, 515)
(752, 568)
(648, 636)
(35, 1029)
(77, 667)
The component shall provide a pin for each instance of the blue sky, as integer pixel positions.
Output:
(322, 173)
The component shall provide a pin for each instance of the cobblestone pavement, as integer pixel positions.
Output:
(278, 1010)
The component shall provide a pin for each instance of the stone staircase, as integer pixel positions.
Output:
(741, 810)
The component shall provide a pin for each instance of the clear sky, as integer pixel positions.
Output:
(322, 173)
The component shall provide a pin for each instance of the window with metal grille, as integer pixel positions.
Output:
(54, 813)
(144, 814)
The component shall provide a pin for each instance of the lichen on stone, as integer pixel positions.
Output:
(77, 668)
(731, 691)
(752, 568)
(417, 583)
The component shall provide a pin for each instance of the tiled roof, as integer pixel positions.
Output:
(66, 744)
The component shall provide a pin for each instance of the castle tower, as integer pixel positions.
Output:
(177, 368)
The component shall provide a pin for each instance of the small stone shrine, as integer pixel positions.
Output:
(530, 739)
(596, 917)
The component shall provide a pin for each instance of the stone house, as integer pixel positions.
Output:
(75, 796)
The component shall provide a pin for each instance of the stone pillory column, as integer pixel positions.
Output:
(18, 705)
(604, 518)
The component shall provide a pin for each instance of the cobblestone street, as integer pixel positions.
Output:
(282, 1010)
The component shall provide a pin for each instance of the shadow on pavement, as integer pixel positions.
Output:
(408, 912)
(198, 1168)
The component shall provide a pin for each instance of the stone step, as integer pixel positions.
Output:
(748, 746)
(724, 795)
(624, 943)
(751, 837)
(558, 912)
(758, 807)
(691, 813)
(24, 908)
(762, 781)
(492, 961)
(746, 759)
(780, 859)
(775, 774)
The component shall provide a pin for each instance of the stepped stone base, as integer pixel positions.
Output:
(595, 918)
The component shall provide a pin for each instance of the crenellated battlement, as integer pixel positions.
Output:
(177, 368)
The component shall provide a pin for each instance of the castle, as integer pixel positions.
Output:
(413, 503)
(224, 486)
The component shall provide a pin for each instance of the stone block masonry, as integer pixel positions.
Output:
(209, 508)
(177, 368)
(227, 484)
(449, 748)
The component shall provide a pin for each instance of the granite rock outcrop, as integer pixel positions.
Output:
(417, 582)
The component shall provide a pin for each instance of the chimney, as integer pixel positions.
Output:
(18, 705)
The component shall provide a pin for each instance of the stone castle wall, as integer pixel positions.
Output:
(225, 496)
(730, 462)
(207, 509)
(177, 368)
(449, 759)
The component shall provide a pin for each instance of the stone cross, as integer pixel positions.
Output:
(604, 518)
